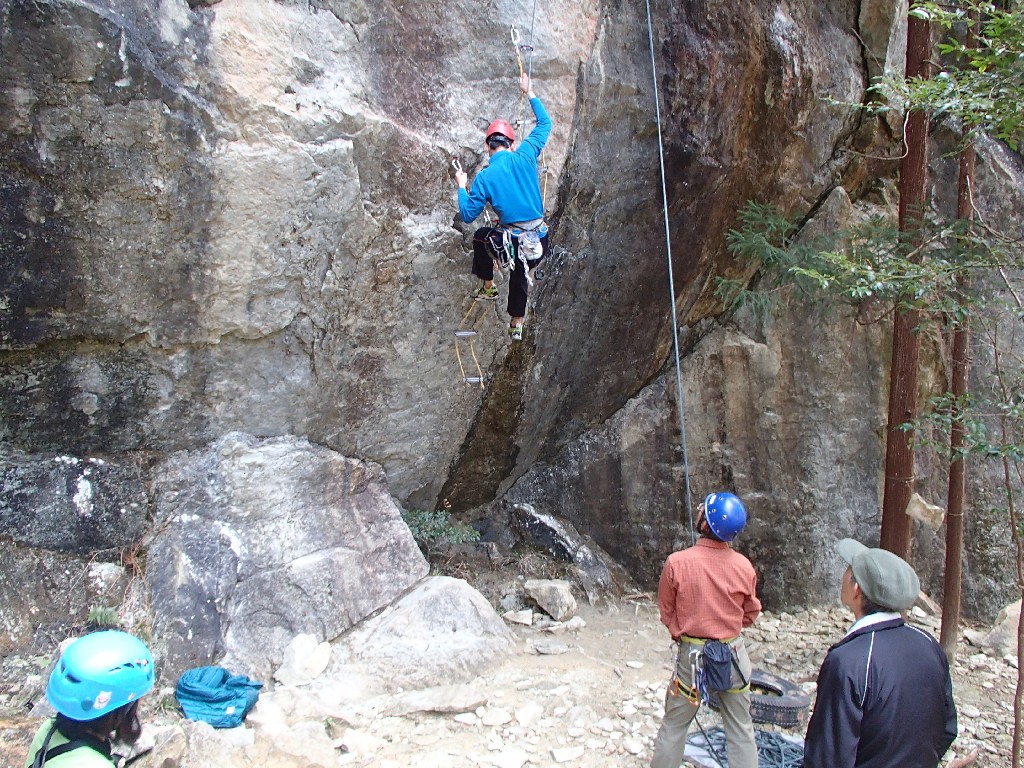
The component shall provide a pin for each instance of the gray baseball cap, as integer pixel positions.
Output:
(887, 580)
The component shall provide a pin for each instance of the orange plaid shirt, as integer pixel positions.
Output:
(708, 591)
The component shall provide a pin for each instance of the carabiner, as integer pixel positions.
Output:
(514, 33)
(456, 164)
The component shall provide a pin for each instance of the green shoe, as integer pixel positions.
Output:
(515, 332)
(485, 294)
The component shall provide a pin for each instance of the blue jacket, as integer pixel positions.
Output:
(885, 700)
(509, 183)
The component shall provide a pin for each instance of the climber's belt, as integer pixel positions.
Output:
(701, 640)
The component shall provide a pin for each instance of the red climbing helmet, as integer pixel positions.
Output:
(502, 127)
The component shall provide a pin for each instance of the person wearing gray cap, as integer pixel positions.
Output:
(885, 698)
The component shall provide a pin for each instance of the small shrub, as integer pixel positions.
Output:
(432, 528)
(103, 617)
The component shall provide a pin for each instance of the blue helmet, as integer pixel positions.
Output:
(98, 673)
(725, 514)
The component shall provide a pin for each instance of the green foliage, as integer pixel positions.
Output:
(993, 429)
(103, 617)
(982, 86)
(870, 260)
(432, 528)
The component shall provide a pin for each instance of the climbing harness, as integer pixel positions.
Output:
(711, 663)
(528, 234)
(671, 282)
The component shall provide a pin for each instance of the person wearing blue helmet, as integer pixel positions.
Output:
(95, 688)
(709, 592)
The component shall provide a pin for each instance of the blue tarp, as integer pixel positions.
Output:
(215, 696)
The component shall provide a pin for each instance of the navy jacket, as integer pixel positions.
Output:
(885, 700)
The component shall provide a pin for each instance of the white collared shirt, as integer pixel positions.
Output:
(873, 618)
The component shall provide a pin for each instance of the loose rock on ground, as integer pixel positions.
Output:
(596, 704)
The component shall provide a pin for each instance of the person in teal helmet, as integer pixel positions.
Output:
(95, 688)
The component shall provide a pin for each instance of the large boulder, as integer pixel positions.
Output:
(258, 541)
(441, 632)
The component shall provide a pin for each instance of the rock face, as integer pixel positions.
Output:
(40, 589)
(240, 217)
(260, 541)
(71, 504)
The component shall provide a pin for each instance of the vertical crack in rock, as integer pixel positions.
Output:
(487, 459)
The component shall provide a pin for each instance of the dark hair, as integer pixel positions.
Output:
(868, 606)
(123, 722)
(704, 528)
(496, 140)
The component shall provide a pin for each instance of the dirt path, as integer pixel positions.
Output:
(598, 704)
(604, 695)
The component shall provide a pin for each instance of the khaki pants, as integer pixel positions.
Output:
(670, 742)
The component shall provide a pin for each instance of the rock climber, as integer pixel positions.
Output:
(707, 592)
(95, 688)
(884, 692)
(509, 183)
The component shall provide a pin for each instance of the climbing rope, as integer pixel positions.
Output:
(773, 749)
(671, 282)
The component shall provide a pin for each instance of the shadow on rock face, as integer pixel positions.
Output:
(488, 456)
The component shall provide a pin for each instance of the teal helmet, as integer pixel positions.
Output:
(725, 514)
(98, 673)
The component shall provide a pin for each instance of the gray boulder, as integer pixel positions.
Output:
(260, 540)
(560, 539)
(554, 596)
(443, 631)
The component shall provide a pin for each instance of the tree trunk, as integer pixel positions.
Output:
(955, 496)
(953, 576)
(906, 347)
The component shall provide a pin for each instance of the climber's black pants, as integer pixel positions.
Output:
(486, 248)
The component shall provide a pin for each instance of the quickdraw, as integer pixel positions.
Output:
(700, 681)
(520, 49)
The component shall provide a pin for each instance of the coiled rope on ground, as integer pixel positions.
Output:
(773, 749)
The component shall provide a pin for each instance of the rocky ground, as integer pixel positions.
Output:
(584, 697)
